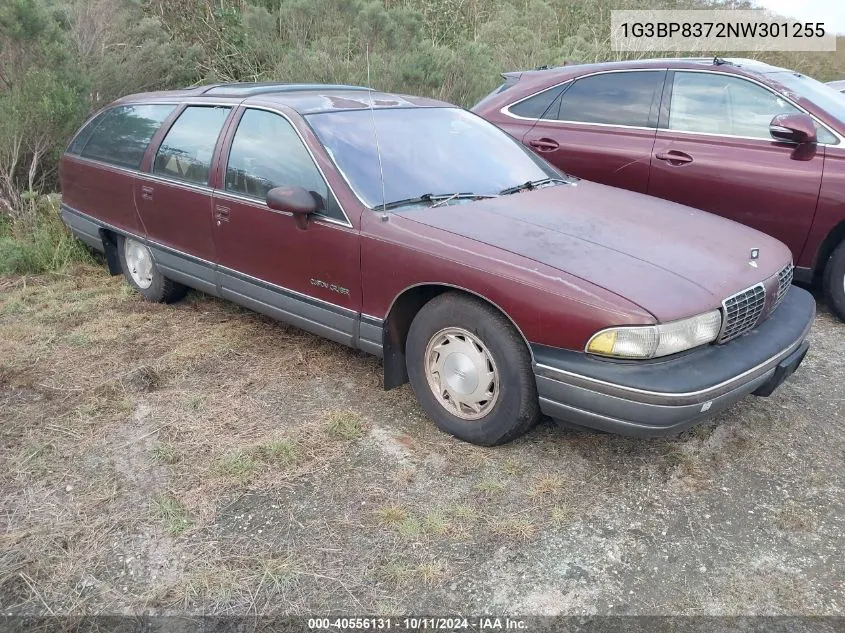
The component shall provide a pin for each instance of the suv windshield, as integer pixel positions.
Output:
(821, 94)
(437, 151)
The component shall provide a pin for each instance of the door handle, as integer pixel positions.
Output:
(146, 192)
(221, 214)
(544, 144)
(674, 157)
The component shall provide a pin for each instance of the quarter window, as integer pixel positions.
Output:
(720, 104)
(620, 98)
(120, 136)
(267, 153)
(543, 105)
(187, 150)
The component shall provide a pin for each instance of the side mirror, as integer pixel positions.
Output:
(294, 200)
(793, 128)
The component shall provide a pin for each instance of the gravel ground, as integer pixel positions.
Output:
(200, 458)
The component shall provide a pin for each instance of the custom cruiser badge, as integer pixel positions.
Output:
(333, 287)
(755, 255)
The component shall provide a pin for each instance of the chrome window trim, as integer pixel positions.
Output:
(182, 184)
(506, 109)
(347, 223)
(839, 137)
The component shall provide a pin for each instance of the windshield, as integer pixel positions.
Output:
(822, 95)
(424, 151)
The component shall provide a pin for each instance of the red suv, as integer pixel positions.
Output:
(415, 230)
(754, 143)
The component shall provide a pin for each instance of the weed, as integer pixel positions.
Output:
(171, 512)
(344, 425)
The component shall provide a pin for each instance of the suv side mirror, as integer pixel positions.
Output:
(294, 200)
(793, 128)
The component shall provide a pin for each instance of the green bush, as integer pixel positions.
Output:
(39, 242)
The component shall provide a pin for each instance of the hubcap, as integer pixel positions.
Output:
(461, 373)
(140, 263)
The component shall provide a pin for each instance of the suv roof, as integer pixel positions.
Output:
(304, 98)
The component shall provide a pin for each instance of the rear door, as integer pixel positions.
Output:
(600, 127)
(310, 277)
(174, 197)
(713, 151)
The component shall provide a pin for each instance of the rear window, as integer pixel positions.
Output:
(187, 150)
(120, 136)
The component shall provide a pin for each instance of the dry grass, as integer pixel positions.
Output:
(197, 457)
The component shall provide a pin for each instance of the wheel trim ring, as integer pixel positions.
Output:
(445, 382)
(139, 262)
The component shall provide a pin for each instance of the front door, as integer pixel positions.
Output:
(309, 276)
(601, 127)
(714, 152)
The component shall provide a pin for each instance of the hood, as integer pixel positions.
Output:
(669, 259)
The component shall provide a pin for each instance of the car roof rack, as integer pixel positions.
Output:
(248, 89)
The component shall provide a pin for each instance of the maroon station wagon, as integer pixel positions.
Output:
(417, 231)
(754, 143)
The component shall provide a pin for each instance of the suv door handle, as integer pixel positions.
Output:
(544, 144)
(147, 192)
(674, 157)
(221, 214)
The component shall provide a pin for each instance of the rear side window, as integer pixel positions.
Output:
(543, 105)
(186, 152)
(120, 136)
(621, 98)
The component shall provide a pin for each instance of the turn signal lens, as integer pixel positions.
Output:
(651, 341)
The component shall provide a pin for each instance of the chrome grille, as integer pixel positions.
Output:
(784, 282)
(742, 311)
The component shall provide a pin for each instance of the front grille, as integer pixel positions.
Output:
(742, 311)
(784, 282)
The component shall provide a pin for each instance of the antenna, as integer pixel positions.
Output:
(384, 216)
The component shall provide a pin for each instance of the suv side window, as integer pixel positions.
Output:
(120, 136)
(618, 98)
(721, 104)
(543, 105)
(187, 150)
(266, 153)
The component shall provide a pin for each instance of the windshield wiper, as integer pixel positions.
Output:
(437, 199)
(533, 184)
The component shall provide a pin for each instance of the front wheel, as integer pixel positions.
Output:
(834, 281)
(471, 370)
(141, 272)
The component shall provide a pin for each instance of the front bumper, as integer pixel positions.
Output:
(665, 396)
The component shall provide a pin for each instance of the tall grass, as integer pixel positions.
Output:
(38, 241)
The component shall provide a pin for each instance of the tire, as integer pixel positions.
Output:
(834, 281)
(140, 270)
(498, 409)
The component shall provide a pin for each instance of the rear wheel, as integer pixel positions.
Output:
(141, 272)
(471, 370)
(834, 281)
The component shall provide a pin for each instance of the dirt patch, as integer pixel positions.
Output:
(201, 458)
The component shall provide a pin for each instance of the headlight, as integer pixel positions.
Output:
(651, 341)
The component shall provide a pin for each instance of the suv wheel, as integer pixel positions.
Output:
(141, 272)
(834, 281)
(471, 370)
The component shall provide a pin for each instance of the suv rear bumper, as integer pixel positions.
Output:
(661, 397)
